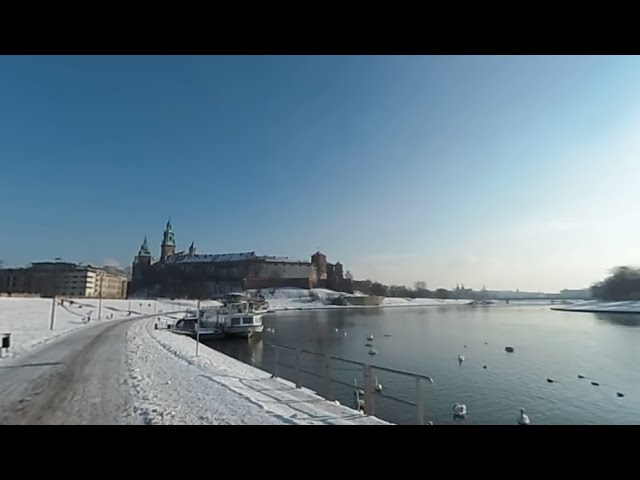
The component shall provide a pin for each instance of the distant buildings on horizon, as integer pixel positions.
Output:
(191, 274)
(66, 279)
(568, 294)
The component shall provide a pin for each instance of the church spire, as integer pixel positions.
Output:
(144, 248)
(168, 238)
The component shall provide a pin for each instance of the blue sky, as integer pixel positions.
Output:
(513, 172)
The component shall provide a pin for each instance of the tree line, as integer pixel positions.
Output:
(420, 290)
(622, 284)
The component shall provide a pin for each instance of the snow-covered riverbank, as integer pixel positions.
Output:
(319, 298)
(28, 320)
(172, 386)
(168, 384)
(597, 306)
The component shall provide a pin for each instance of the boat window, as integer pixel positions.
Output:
(235, 321)
(247, 321)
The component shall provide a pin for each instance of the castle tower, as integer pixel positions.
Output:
(320, 261)
(168, 246)
(192, 249)
(338, 271)
(142, 261)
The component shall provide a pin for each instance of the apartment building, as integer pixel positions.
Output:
(64, 279)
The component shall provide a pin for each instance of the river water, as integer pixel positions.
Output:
(604, 348)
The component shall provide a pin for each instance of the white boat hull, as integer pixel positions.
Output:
(243, 331)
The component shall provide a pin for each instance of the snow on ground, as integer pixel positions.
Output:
(597, 306)
(292, 298)
(172, 386)
(408, 302)
(316, 298)
(29, 319)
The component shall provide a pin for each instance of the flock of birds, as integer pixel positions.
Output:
(377, 386)
(459, 409)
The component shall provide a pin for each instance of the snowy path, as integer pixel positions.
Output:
(125, 372)
(172, 386)
(80, 378)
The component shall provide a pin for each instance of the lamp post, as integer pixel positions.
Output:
(53, 312)
(198, 327)
(100, 298)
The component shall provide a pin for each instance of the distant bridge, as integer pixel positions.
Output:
(550, 300)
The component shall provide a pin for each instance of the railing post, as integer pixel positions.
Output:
(372, 397)
(419, 400)
(368, 398)
(275, 362)
(299, 365)
(330, 394)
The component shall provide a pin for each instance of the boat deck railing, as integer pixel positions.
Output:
(332, 364)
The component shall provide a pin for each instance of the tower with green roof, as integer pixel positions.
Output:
(168, 246)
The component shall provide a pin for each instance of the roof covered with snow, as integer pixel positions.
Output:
(217, 257)
(228, 257)
(282, 260)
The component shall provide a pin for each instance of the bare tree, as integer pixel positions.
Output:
(348, 275)
(420, 285)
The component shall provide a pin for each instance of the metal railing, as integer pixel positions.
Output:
(369, 389)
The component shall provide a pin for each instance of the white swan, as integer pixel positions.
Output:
(460, 409)
(378, 386)
(370, 337)
(460, 359)
(524, 418)
(336, 330)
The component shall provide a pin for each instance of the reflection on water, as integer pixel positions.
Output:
(256, 345)
(626, 319)
(548, 344)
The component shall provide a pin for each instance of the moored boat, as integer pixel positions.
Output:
(237, 317)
